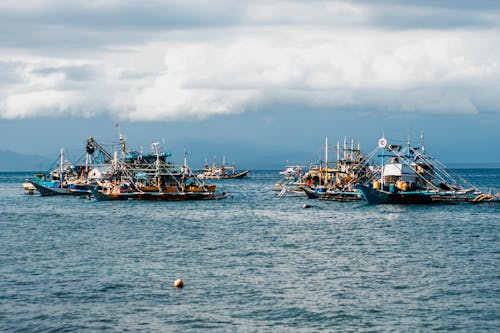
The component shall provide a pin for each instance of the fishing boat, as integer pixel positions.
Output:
(139, 178)
(291, 180)
(338, 183)
(221, 171)
(66, 179)
(331, 194)
(409, 176)
(176, 194)
(56, 189)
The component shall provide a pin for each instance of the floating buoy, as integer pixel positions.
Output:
(178, 283)
(306, 206)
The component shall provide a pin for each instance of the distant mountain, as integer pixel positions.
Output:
(11, 161)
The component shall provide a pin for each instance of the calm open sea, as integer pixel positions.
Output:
(253, 262)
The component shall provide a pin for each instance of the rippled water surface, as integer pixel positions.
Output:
(253, 262)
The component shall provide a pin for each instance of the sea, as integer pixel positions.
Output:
(253, 262)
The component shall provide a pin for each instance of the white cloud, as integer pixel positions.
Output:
(285, 53)
(42, 103)
(423, 71)
(317, 13)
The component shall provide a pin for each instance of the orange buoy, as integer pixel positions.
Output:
(178, 283)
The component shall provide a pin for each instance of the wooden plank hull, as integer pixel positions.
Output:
(158, 196)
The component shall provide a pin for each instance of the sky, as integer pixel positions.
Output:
(262, 82)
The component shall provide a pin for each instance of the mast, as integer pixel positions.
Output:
(155, 146)
(87, 160)
(338, 151)
(326, 161)
(123, 146)
(382, 143)
(61, 167)
(115, 161)
(338, 161)
(122, 141)
(422, 141)
(408, 144)
(345, 147)
(185, 162)
(352, 149)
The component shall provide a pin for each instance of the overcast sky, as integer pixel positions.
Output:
(250, 63)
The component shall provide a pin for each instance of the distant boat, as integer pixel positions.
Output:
(332, 195)
(292, 172)
(291, 180)
(221, 171)
(409, 176)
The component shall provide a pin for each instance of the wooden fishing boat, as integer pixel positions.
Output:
(221, 171)
(291, 181)
(335, 180)
(164, 185)
(331, 194)
(139, 178)
(159, 196)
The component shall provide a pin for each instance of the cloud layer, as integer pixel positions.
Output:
(169, 60)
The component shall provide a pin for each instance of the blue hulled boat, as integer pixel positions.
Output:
(412, 177)
(66, 179)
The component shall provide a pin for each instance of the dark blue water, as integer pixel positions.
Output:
(253, 262)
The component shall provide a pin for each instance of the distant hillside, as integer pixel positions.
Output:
(11, 161)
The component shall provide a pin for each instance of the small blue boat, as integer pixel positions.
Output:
(66, 179)
(54, 188)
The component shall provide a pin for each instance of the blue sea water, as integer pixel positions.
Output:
(253, 262)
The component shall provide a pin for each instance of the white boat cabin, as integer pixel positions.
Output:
(395, 171)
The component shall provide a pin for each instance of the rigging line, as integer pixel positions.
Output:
(440, 167)
(453, 176)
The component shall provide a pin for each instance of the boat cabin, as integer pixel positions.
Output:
(394, 172)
